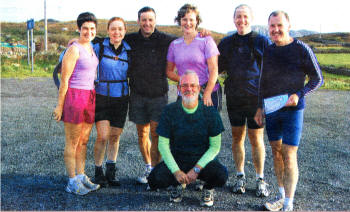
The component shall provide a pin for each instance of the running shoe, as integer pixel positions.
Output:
(261, 188)
(287, 208)
(176, 193)
(207, 197)
(239, 186)
(88, 184)
(143, 178)
(77, 188)
(275, 204)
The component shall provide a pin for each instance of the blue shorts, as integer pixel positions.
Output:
(286, 125)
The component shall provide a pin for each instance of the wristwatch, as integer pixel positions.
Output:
(196, 169)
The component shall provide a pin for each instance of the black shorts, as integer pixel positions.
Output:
(241, 111)
(143, 109)
(112, 109)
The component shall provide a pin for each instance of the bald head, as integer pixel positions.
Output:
(243, 6)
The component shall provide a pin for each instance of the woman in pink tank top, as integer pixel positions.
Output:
(76, 103)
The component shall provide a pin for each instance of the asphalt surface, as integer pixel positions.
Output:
(33, 174)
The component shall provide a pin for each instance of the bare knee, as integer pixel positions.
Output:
(256, 137)
(238, 135)
(102, 138)
(114, 139)
(289, 156)
(84, 141)
(290, 161)
(276, 147)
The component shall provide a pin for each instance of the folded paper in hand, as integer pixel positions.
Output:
(275, 103)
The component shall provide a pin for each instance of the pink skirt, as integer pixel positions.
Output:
(79, 106)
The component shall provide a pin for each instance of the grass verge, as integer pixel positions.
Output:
(335, 60)
(17, 67)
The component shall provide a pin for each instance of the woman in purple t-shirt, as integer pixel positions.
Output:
(76, 103)
(192, 52)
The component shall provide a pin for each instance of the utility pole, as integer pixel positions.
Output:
(45, 25)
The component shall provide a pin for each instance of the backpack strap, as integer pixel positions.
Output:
(115, 58)
(58, 69)
(55, 74)
(100, 55)
(101, 51)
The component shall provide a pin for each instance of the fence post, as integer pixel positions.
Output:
(28, 46)
(32, 49)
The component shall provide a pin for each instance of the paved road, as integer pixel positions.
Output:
(33, 175)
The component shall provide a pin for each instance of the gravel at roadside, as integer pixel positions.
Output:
(33, 175)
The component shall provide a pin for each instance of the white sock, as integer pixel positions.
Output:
(259, 176)
(149, 166)
(282, 192)
(111, 161)
(80, 176)
(288, 201)
(240, 173)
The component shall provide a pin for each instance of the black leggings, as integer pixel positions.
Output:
(214, 174)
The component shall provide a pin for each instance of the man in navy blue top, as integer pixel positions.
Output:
(241, 57)
(285, 66)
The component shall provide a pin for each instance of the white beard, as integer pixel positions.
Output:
(189, 100)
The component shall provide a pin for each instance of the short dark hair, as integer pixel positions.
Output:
(86, 17)
(276, 13)
(186, 9)
(145, 9)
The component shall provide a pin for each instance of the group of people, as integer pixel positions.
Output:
(186, 134)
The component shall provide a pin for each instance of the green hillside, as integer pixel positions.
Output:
(332, 49)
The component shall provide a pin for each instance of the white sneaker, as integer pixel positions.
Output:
(143, 178)
(276, 204)
(262, 188)
(239, 186)
(90, 185)
(287, 208)
(77, 187)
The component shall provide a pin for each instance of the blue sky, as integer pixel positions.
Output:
(317, 15)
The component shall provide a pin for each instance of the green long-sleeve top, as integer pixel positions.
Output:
(209, 155)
